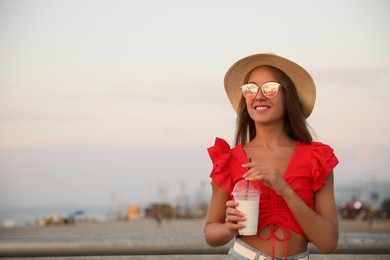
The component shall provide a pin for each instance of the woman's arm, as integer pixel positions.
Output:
(321, 225)
(221, 222)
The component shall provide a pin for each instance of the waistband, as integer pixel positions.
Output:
(252, 253)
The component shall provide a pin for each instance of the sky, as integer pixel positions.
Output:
(107, 102)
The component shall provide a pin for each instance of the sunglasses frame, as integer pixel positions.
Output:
(252, 89)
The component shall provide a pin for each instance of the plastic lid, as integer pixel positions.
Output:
(246, 186)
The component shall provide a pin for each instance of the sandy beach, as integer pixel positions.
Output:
(168, 227)
(149, 227)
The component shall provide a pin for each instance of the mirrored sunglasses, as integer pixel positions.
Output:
(269, 90)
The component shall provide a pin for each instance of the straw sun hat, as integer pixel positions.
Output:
(304, 84)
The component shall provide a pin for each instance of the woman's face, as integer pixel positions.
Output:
(261, 109)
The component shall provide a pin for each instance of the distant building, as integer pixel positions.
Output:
(163, 210)
(9, 223)
(133, 212)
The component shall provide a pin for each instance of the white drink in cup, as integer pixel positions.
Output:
(250, 208)
(247, 194)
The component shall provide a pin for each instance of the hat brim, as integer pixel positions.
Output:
(304, 84)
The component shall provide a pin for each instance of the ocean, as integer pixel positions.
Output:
(31, 216)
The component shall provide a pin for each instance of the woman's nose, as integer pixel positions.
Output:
(260, 95)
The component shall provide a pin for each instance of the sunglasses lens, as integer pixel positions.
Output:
(270, 89)
(249, 91)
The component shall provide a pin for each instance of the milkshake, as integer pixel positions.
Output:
(247, 194)
(251, 210)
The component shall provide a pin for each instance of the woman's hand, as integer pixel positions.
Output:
(221, 221)
(233, 216)
(267, 174)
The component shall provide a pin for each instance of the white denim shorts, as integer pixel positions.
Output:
(243, 251)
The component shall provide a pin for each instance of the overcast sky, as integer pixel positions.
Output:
(119, 100)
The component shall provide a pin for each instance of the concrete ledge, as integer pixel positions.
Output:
(353, 244)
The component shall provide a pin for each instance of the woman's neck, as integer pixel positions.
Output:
(271, 136)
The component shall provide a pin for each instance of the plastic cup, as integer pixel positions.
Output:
(247, 194)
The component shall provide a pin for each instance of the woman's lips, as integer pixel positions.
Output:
(262, 107)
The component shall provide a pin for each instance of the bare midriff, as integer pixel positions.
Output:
(296, 243)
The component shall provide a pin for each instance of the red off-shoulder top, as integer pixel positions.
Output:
(309, 166)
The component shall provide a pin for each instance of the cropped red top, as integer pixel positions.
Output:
(309, 166)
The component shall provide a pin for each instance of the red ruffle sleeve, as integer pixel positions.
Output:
(323, 161)
(220, 154)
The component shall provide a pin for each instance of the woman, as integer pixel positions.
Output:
(273, 96)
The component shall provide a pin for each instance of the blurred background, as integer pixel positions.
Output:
(107, 107)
